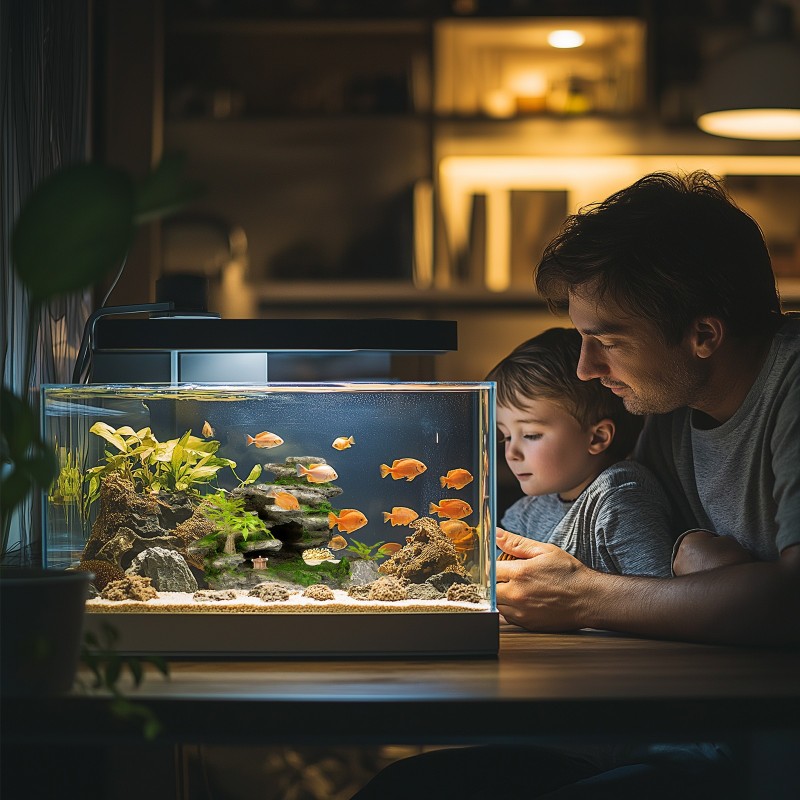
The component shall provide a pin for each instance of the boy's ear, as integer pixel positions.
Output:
(602, 436)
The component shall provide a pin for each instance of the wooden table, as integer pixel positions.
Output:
(540, 686)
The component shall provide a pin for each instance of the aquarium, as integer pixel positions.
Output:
(283, 519)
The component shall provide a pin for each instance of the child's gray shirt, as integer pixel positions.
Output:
(619, 524)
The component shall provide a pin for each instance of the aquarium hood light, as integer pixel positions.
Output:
(180, 350)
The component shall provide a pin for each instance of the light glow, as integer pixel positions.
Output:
(774, 124)
(565, 39)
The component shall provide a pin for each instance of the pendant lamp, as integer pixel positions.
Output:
(753, 91)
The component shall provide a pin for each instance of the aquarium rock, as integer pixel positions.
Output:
(444, 580)
(259, 545)
(360, 592)
(427, 551)
(362, 572)
(104, 572)
(423, 591)
(319, 591)
(167, 570)
(464, 593)
(390, 589)
(227, 561)
(131, 587)
(127, 544)
(270, 592)
(194, 528)
(288, 469)
(129, 523)
(214, 595)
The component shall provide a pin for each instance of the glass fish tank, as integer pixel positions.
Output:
(292, 519)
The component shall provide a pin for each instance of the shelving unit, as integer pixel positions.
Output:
(348, 152)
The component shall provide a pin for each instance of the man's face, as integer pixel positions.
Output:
(630, 357)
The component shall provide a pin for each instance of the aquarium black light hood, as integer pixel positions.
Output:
(177, 349)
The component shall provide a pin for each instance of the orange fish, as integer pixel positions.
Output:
(207, 429)
(343, 442)
(460, 534)
(451, 508)
(400, 515)
(317, 473)
(349, 520)
(390, 548)
(265, 439)
(407, 468)
(456, 479)
(283, 499)
(337, 543)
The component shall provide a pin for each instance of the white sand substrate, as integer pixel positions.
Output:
(184, 603)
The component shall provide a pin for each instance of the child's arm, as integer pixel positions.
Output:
(700, 550)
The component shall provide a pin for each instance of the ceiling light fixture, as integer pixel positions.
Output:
(565, 39)
(753, 91)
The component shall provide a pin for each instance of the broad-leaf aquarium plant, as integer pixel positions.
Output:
(177, 465)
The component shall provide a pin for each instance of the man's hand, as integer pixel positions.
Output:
(702, 550)
(543, 589)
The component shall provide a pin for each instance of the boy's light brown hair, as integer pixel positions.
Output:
(544, 368)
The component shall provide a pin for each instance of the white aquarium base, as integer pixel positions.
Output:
(284, 635)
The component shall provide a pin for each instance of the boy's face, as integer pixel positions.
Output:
(547, 449)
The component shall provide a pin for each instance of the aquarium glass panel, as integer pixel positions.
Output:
(345, 496)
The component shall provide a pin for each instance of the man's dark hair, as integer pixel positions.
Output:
(544, 368)
(669, 248)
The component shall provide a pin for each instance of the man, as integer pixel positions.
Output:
(671, 287)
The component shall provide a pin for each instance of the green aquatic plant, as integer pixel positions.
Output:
(176, 465)
(254, 475)
(68, 486)
(68, 490)
(366, 552)
(231, 520)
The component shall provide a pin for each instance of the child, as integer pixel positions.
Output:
(566, 441)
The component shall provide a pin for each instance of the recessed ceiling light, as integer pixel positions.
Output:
(565, 39)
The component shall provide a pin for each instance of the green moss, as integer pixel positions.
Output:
(323, 508)
(301, 573)
(209, 540)
(290, 480)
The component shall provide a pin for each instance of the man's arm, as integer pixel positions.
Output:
(700, 550)
(750, 603)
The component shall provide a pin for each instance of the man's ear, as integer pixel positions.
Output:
(602, 435)
(706, 335)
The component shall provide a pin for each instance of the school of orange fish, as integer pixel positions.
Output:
(348, 520)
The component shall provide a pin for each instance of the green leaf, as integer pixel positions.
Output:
(75, 228)
(110, 435)
(254, 475)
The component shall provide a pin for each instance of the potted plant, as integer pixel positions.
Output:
(74, 229)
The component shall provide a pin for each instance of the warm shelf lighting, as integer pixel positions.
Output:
(776, 124)
(565, 39)
(753, 91)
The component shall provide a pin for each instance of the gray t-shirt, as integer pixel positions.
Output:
(741, 478)
(619, 524)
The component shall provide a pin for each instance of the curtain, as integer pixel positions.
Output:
(44, 104)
